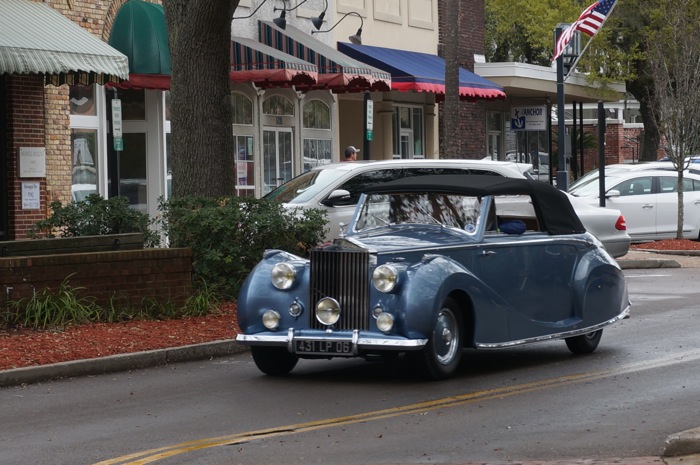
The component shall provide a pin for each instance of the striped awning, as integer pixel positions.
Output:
(267, 67)
(36, 39)
(422, 72)
(336, 71)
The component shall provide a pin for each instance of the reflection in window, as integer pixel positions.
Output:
(82, 100)
(84, 182)
(317, 115)
(278, 105)
(242, 109)
(317, 152)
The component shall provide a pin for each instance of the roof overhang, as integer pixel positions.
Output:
(36, 39)
(523, 82)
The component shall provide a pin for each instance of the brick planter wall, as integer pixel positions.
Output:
(162, 275)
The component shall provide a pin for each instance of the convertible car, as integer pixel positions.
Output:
(430, 265)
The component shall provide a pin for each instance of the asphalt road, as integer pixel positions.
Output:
(536, 403)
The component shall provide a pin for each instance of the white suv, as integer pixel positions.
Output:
(336, 188)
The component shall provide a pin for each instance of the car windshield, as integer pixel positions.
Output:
(591, 188)
(305, 186)
(457, 211)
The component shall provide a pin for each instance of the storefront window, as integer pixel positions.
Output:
(278, 105)
(133, 104)
(82, 100)
(408, 132)
(132, 171)
(494, 143)
(242, 109)
(317, 137)
(84, 175)
(245, 167)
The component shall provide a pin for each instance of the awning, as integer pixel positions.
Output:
(421, 72)
(252, 61)
(36, 39)
(336, 71)
(139, 31)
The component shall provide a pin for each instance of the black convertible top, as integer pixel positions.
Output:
(554, 211)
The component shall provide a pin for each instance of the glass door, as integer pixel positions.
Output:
(277, 157)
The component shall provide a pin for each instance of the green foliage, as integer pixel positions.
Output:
(92, 217)
(228, 235)
(66, 305)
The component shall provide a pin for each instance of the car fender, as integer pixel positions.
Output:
(257, 293)
(438, 277)
(604, 285)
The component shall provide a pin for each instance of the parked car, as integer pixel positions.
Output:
(431, 265)
(648, 199)
(336, 188)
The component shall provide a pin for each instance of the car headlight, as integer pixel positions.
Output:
(328, 311)
(385, 321)
(271, 319)
(385, 278)
(283, 276)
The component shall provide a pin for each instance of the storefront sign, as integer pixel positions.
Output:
(31, 196)
(32, 162)
(533, 118)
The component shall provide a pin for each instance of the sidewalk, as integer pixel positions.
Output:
(680, 449)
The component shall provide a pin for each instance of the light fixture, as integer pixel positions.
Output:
(355, 38)
(318, 20)
(254, 11)
(281, 22)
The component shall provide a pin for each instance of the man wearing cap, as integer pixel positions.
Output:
(350, 153)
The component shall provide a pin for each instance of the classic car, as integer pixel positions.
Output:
(430, 265)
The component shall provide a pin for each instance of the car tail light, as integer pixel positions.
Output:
(620, 224)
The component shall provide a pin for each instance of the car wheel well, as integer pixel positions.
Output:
(466, 307)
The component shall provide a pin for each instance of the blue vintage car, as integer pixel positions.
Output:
(430, 265)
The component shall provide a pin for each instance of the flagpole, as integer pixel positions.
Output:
(562, 174)
(573, 65)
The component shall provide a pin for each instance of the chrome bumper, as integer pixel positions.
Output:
(356, 338)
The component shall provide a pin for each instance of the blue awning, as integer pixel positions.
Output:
(421, 72)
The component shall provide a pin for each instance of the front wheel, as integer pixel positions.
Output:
(440, 357)
(584, 344)
(274, 361)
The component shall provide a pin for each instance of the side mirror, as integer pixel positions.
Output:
(335, 197)
(612, 193)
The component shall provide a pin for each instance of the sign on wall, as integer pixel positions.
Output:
(530, 118)
(32, 162)
(31, 196)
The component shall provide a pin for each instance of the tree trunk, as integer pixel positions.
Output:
(201, 141)
(451, 106)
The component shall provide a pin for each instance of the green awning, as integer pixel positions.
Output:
(139, 31)
(36, 39)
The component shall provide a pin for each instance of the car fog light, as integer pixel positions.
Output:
(385, 278)
(385, 322)
(295, 309)
(271, 319)
(376, 311)
(328, 311)
(283, 275)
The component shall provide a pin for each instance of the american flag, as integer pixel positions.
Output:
(590, 22)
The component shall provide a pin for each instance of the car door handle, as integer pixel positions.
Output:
(647, 205)
(487, 253)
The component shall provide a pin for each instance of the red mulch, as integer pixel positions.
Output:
(28, 347)
(25, 347)
(669, 244)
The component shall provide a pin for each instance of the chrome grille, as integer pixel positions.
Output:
(343, 276)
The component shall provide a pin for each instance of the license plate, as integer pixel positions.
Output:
(323, 347)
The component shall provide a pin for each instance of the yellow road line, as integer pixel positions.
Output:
(153, 455)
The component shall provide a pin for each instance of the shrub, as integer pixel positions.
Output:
(228, 236)
(94, 216)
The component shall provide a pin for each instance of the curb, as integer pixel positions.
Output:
(684, 443)
(632, 264)
(121, 362)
